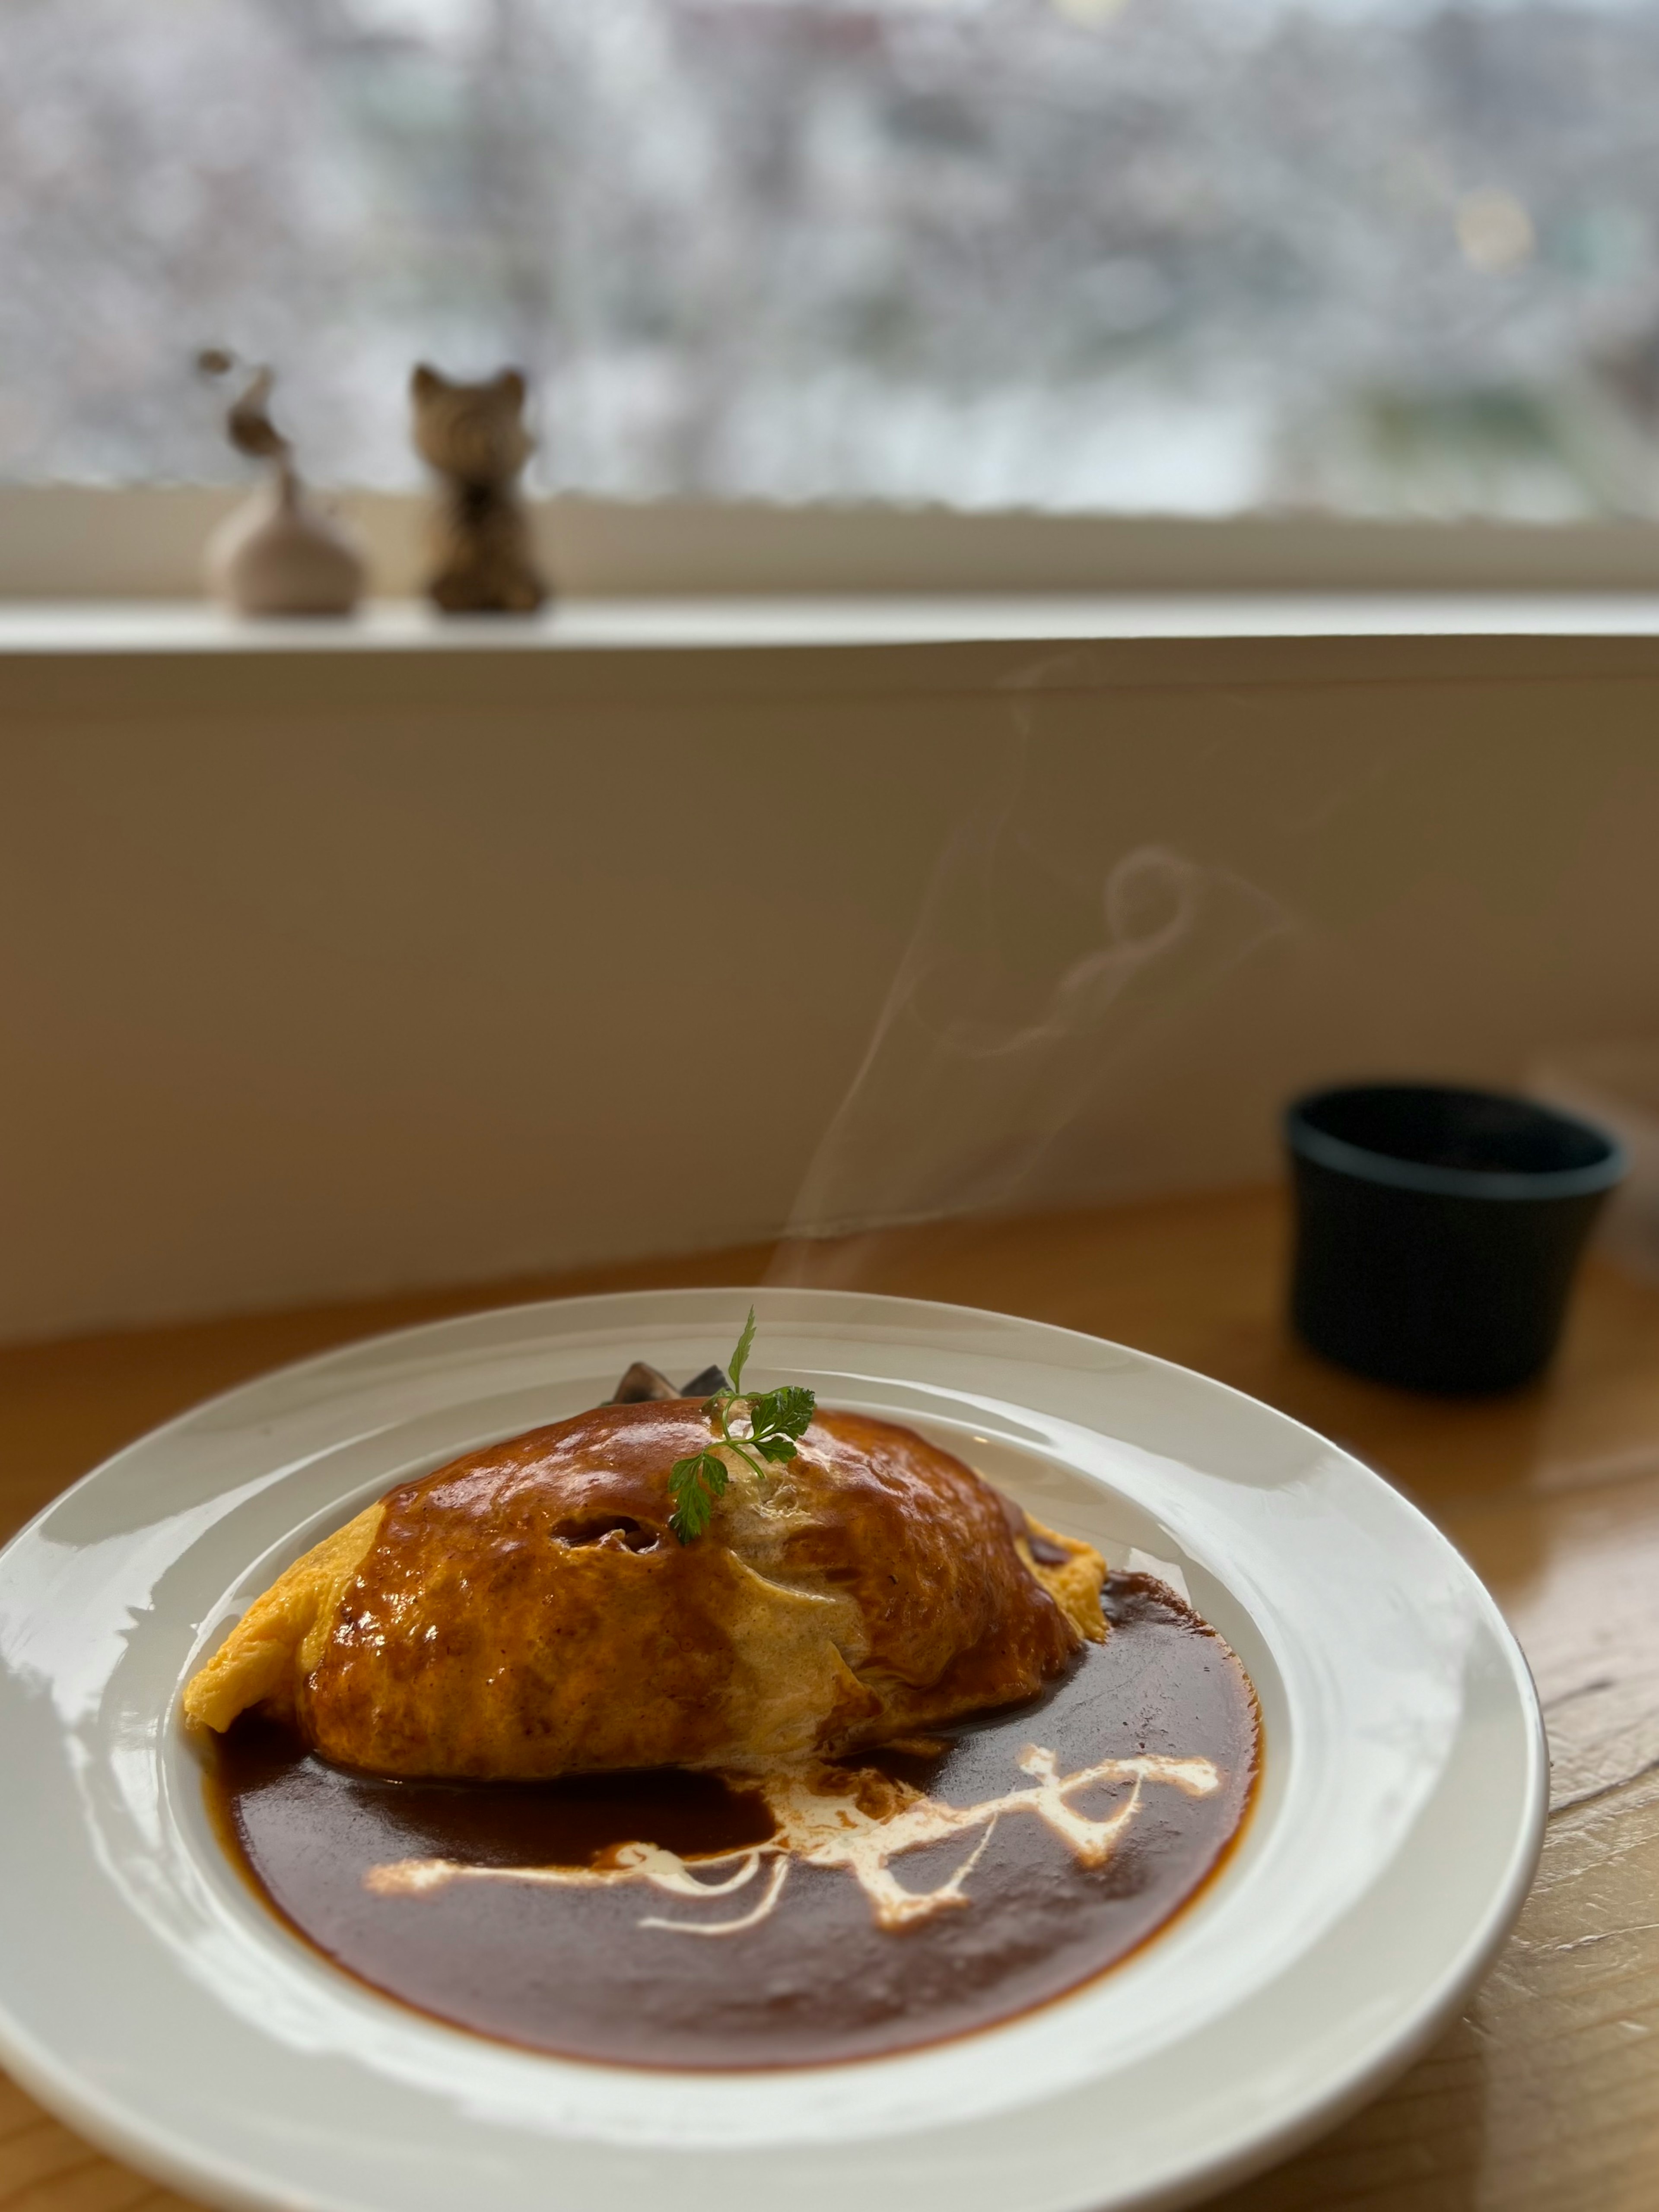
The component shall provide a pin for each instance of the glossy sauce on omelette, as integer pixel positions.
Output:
(896, 1896)
(528, 1612)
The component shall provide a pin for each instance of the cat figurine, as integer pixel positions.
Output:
(473, 435)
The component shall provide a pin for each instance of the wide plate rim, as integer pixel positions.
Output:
(126, 2131)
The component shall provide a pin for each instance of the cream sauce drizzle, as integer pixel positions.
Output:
(822, 1823)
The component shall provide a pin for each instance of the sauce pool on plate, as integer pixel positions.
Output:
(678, 1918)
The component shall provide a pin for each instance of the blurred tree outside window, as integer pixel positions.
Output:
(1378, 256)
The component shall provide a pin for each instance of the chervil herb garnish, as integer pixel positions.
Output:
(776, 1419)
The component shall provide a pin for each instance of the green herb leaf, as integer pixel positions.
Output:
(735, 1370)
(696, 1483)
(776, 1418)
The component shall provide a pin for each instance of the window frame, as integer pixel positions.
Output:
(78, 543)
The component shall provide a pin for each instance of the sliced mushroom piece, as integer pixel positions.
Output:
(704, 1384)
(642, 1384)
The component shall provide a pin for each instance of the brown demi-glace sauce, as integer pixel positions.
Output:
(816, 1979)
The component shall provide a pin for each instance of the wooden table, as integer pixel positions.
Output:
(1546, 2092)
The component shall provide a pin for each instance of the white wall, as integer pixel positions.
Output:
(329, 972)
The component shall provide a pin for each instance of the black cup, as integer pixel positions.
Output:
(1437, 1229)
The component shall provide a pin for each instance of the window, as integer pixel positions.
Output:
(1188, 256)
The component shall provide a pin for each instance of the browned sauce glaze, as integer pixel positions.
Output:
(526, 1611)
(572, 1970)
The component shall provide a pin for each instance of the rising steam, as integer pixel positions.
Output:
(1034, 968)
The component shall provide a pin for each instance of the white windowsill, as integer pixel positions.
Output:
(647, 625)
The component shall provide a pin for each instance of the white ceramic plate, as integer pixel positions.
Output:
(146, 1994)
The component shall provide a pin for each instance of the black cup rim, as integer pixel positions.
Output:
(1342, 1158)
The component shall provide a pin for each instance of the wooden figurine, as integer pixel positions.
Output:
(473, 435)
(279, 553)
